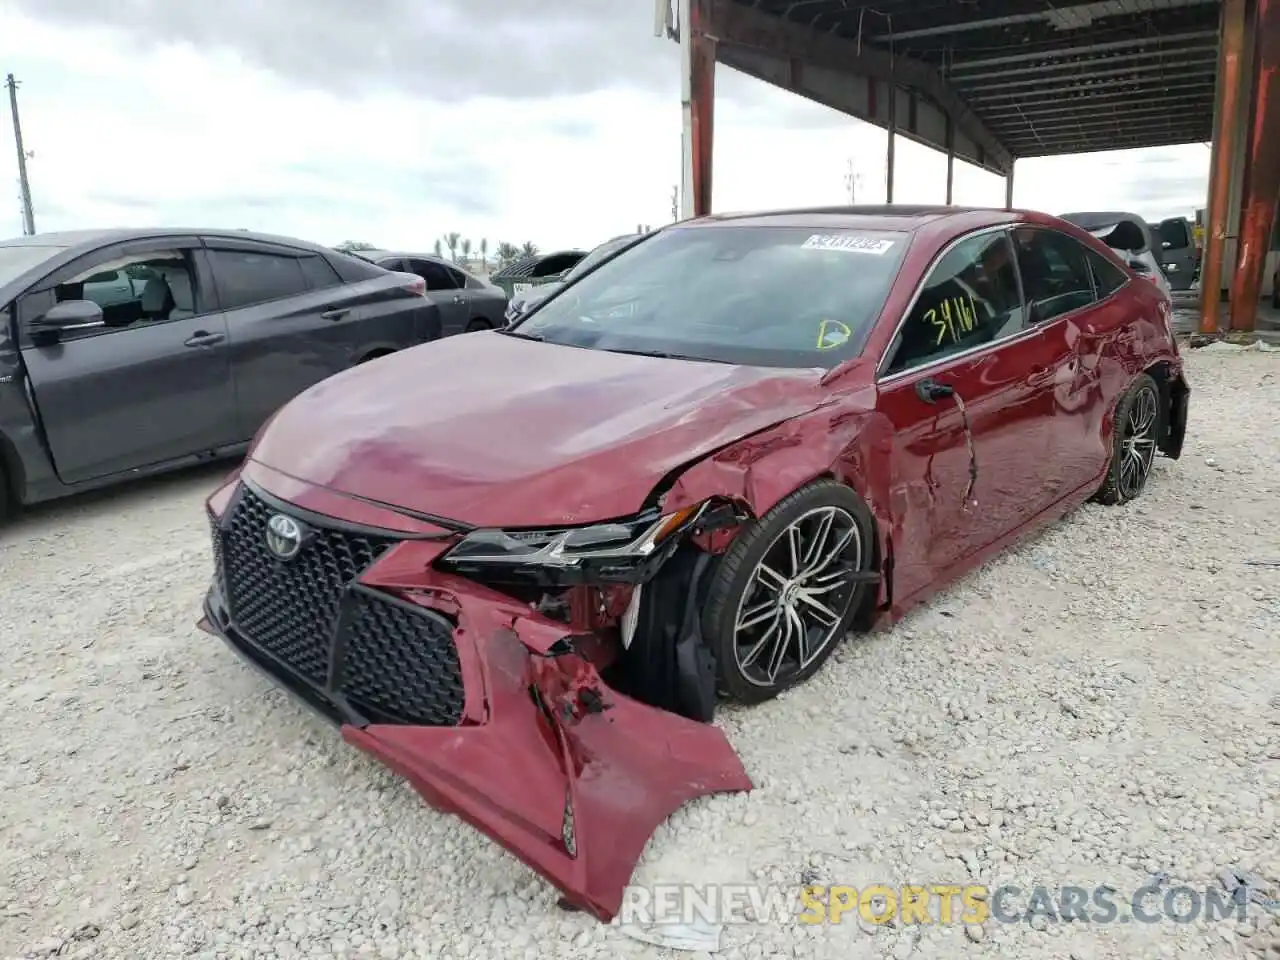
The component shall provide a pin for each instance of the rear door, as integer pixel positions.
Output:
(1177, 251)
(446, 289)
(291, 320)
(153, 383)
(1064, 302)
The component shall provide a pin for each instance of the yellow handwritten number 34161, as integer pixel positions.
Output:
(953, 318)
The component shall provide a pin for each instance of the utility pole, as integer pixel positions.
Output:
(28, 215)
(851, 180)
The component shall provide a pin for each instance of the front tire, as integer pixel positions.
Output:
(786, 591)
(479, 324)
(1135, 432)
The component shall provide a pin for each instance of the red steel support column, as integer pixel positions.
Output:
(702, 90)
(1230, 83)
(893, 135)
(1261, 172)
(951, 159)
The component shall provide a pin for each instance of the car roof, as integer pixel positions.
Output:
(407, 255)
(899, 217)
(927, 226)
(1098, 220)
(71, 239)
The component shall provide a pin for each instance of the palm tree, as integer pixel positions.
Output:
(451, 241)
(530, 249)
(507, 253)
(484, 252)
(439, 249)
(466, 251)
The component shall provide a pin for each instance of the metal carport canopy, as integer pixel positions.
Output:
(994, 80)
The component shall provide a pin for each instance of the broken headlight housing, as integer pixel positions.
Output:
(624, 551)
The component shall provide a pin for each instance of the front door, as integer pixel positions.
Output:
(151, 384)
(955, 385)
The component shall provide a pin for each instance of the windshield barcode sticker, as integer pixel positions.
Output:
(850, 244)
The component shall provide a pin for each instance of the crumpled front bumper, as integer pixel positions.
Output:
(565, 773)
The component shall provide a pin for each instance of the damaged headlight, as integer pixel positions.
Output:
(623, 542)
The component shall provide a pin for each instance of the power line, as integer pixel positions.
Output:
(28, 215)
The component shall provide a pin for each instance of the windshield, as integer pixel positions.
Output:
(18, 259)
(596, 255)
(763, 296)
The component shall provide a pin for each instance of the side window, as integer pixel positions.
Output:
(1174, 234)
(459, 278)
(132, 291)
(1107, 277)
(319, 275)
(1055, 273)
(437, 275)
(246, 278)
(970, 298)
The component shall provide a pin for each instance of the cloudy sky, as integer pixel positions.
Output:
(394, 121)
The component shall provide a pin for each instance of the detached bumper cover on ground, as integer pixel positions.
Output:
(480, 703)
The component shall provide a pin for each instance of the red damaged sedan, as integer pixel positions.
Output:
(521, 567)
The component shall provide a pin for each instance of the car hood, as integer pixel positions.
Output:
(494, 430)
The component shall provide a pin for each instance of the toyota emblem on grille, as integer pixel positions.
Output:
(284, 536)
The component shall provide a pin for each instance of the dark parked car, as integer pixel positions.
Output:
(525, 301)
(522, 275)
(519, 567)
(466, 301)
(127, 352)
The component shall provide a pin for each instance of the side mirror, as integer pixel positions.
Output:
(70, 315)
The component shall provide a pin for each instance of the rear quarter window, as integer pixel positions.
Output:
(1107, 277)
(353, 269)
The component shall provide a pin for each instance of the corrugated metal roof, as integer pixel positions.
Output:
(1048, 76)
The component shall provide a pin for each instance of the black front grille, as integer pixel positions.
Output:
(217, 551)
(398, 664)
(401, 665)
(290, 607)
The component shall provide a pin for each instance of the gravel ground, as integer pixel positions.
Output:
(1099, 706)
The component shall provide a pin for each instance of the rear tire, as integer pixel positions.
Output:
(784, 594)
(6, 497)
(1135, 433)
(478, 324)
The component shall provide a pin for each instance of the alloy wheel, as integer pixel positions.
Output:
(1138, 443)
(797, 598)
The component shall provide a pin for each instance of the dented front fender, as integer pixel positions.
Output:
(566, 774)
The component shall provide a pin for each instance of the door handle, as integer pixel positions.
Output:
(457, 298)
(1039, 376)
(930, 390)
(202, 338)
(335, 314)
